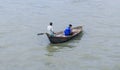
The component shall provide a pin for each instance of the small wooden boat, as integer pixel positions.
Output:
(60, 37)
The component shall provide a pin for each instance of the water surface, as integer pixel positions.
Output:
(97, 48)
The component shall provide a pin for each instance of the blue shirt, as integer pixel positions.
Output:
(67, 31)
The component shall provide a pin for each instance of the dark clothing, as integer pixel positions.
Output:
(67, 31)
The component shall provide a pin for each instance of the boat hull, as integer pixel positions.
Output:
(60, 37)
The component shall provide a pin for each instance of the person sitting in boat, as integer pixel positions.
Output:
(68, 30)
(50, 29)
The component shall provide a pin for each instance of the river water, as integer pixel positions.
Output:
(97, 48)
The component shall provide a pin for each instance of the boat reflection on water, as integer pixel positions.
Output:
(51, 48)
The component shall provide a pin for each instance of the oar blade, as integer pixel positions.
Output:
(40, 33)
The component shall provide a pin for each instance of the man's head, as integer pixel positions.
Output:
(51, 23)
(70, 25)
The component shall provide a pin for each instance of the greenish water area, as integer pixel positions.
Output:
(97, 48)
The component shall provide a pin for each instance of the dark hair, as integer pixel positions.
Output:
(51, 23)
(70, 25)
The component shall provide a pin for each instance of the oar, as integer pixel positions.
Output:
(41, 33)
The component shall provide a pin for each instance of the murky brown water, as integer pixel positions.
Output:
(97, 49)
